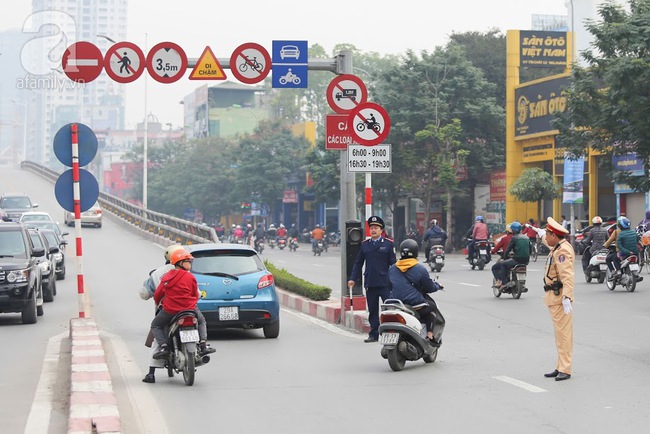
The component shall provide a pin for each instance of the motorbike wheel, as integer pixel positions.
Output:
(170, 371)
(438, 268)
(587, 276)
(516, 291)
(432, 357)
(611, 284)
(396, 360)
(495, 290)
(646, 259)
(533, 255)
(481, 264)
(601, 277)
(631, 281)
(188, 367)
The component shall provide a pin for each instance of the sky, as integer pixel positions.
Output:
(385, 27)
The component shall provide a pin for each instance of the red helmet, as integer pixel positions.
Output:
(180, 255)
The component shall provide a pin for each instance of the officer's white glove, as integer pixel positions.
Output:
(566, 304)
(527, 225)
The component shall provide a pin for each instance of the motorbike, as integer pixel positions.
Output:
(481, 254)
(282, 243)
(293, 244)
(289, 77)
(334, 238)
(597, 268)
(271, 242)
(183, 337)
(238, 240)
(628, 276)
(318, 248)
(437, 256)
(259, 246)
(403, 336)
(516, 282)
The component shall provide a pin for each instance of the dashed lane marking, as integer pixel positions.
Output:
(522, 384)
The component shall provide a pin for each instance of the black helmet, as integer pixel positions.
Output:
(408, 249)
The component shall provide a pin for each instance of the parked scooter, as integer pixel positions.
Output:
(629, 274)
(597, 268)
(516, 282)
(403, 337)
(436, 257)
(481, 254)
(183, 337)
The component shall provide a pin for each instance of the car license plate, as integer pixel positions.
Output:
(483, 252)
(634, 267)
(189, 335)
(603, 267)
(521, 277)
(389, 338)
(228, 313)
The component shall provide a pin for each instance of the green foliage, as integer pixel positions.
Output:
(291, 283)
(535, 185)
(607, 105)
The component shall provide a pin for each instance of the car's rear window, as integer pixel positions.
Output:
(18, 202)
(51, 238)
(12, 244)
(226, 261)
(36, 218)
(36, 240)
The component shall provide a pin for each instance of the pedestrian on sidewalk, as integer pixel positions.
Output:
(378, 254)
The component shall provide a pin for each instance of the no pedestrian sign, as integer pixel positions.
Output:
(124, 62)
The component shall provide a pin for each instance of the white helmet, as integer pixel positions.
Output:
(597, 220)
(169, 250)
(272, 226)
(281, 225)
(238, 227)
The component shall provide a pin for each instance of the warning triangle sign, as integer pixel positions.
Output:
(208, 67)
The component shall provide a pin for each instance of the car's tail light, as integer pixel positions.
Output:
(98, 211)
(187, 321)
(266, 280)
(391, 317)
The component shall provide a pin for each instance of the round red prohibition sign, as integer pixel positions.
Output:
(345, 92)
(82, 62)
(124, 62)
(250, 63)
(166, 62)
(369, 124)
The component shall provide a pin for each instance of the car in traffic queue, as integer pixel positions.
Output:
(92, 217)
(35, 216)
(237, 291)
(59, 257)
(20, 274)
(15, 204)
(47, 225)
(47, 263)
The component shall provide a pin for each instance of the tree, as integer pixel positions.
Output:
(607, 105)
(535, 185)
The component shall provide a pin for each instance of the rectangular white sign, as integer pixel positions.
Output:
(369, 159)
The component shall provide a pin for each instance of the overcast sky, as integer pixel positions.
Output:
(381, 26)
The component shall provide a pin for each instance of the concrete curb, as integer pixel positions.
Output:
(93, 407)
(327, 310)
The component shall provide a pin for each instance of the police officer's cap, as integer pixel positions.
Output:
(376, 220)
(556, 228)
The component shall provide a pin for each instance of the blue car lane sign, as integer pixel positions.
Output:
(290, 64)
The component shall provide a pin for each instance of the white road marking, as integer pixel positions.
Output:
(526, 386)
(469, 284)
(38, 420)
(145, 409)
(324, 324)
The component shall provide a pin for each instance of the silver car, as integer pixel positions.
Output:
(91, 217)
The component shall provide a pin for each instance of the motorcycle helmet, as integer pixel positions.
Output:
(479, 218)
(624, 222)
(408, 249)
(597, 220)
(169, 250)
(508, 229)
(238, 227)
(180, 255)
(272, 226)
(233, 225)
(515, 227)
(433, 222)
(317, 226)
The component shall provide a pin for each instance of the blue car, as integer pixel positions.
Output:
(237, 291)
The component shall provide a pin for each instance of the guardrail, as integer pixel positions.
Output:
(176, 230)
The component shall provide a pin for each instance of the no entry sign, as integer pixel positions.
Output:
(124, 62)
(250, 63)
(345, 92)
(166, 62)
(82, 62)
(369, 124)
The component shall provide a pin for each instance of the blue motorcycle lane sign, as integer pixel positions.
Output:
(290, 64)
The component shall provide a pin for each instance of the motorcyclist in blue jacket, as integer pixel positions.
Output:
(410, 281)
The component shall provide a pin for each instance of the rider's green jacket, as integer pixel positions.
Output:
(520, 246)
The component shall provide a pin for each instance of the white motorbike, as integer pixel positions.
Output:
(597, 268)
(437, 257)
(403, 337)
(628, 276)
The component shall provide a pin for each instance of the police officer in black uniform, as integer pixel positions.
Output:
(378, 254)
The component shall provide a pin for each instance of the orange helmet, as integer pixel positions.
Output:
(180, 255)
